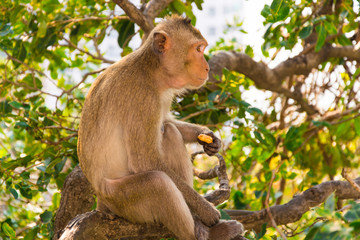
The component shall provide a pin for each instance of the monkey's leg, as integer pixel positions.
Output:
(150, 197)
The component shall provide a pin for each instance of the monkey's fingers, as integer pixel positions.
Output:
(210, 151)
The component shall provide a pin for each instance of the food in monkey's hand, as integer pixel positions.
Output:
(205, 138)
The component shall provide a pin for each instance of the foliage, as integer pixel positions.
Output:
(50, 52)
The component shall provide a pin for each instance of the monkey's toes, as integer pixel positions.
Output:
(226, 230)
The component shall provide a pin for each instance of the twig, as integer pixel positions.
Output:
(348, 206)
(202, 111)
(352, 182)
(82, 80)
(60, 127)
(75, 20)
(10, 151)
(306, 228)
(100, 57)
(22, 63)
(267, 202)
(328, 39)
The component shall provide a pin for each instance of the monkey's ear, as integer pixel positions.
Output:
(161, 42)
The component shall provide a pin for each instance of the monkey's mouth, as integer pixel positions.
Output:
(200, 81)
(203, 79)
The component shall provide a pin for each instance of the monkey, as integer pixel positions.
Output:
(133, 151)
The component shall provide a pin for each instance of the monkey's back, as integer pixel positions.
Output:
(105, 116)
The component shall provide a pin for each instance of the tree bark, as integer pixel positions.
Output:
(77, 197)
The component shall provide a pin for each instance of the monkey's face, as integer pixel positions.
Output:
(196, 64)
(182, 60)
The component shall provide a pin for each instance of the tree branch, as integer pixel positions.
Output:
(77, 196)
(295, 208)
(303, 64)
(96, 225)
(144, 22)
(271, 79)
(263, 76)
(154, 7)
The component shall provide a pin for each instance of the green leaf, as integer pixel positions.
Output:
(280, 9)
(321, 37)
(244, 104)
(356, 225)
(199, 3)
(293, 138)
(357, 125)
(31, 234)
(284, 12)
(249, 51)
(330, 202)
(344, 41)
(179, 6)
(305, 32)
(14, 193)
(321, 123)
(8, 230)
(26, 192)
(5, 107)
(262, 232)
(8, 182)
(213, 95)
(50, 5)
(311, 234)
(42, 29)
(276, 5)
(74, 34)
(20, 53)
(15, 104)
(21, 125)
(46, 216)
(247, 164)
(126, 29)
(330, 27)
(254, 110)
(356, 73)
(292, 176)
(32, 81)
(5, 30)
(52, 164)
(259, 137)
(323, 212)
(266, 11)
(224, 215)
(354, 213)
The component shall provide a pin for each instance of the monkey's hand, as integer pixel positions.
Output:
(210, 147)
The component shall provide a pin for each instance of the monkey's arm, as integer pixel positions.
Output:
(190, 133)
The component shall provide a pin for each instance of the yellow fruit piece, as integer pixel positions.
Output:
(205, 138)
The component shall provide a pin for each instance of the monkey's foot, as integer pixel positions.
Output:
(201, 231)
(226, 230)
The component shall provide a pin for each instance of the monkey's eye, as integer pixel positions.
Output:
(199, 48)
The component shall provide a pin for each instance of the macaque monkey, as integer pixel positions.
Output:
(133, 151)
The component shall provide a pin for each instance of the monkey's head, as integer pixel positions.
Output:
(180, 48)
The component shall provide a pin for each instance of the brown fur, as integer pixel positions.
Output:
(130, 148)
